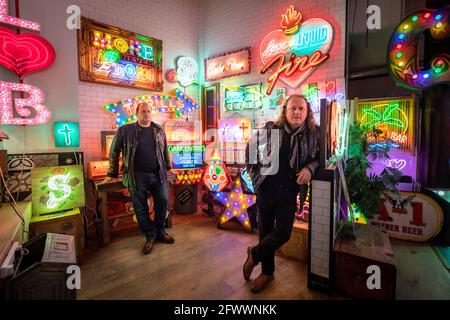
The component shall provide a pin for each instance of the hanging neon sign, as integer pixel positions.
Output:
(403, 55)
(117, 57)
(14, 21)
(294, 52)
(176, 102)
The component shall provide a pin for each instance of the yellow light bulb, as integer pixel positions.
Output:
(231, 195)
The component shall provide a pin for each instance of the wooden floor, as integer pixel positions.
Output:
(204, 263)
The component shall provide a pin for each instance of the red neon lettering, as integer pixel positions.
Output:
(301, 63)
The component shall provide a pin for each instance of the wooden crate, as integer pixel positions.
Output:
(297, 246)
(70, 223)
(354, 256)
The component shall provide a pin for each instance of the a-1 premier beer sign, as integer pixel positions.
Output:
(409, 216)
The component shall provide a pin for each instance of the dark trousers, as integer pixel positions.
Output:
(146, 184)
(276, 213)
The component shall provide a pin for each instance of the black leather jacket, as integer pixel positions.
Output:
(262, 160)
(125, 141)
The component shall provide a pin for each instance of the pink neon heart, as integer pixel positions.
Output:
(280, 37)
(24, 53)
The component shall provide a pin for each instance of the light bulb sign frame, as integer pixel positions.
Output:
(291, 54)
(67, 134)
(403, 55)
(114, 56)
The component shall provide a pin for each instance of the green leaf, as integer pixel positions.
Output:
(373, 113)
(388, 111)
(394, 122)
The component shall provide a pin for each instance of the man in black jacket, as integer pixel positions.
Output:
(145, 167)
(279, 166)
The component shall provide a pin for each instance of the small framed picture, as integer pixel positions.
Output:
(106, 141)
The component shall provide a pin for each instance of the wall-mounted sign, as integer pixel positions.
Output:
(187, 71)
(182, 159)
(403, 54)
(23, 54)
(321, 90)
(57, 188)
(230, 64)
(395, 118)
(235, 130)
(243, 97)
(183, 131)
(67, 134)
(294, 52)
(114, 56)
(409, 216)
(177, 102)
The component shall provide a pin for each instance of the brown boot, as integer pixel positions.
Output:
(148, 246)
(249, 264)
(261, 282)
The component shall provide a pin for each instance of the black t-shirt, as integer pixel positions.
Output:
(145, 159)
(285, 178)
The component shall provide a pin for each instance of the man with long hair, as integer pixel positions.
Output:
(296, 151)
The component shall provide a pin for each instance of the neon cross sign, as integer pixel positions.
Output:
(66, 132)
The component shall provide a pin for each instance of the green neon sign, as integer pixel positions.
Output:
(67, 135)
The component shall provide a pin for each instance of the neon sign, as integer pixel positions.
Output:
(14, 21)
(23, 105)
(183, 131)
(57, 188)
(236, 203)
(67, 134)
(243, 98)
(403, 55)
(235, 130)
(188, 176)
(230, 64)
(177, 103)
(216, 176)
(114, 56)
(187, 71)
(294, 52)
(393, 117)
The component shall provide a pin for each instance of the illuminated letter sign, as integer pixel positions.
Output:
(13, 21)
(230, 64)
(294, 52)
(114, 56)
(35, 98)
(403, 56)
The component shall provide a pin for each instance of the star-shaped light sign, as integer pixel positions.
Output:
(236, 203)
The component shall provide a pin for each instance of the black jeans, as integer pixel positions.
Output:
(149, 183)
(276, 213)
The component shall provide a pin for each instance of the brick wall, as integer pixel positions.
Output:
(320, 239)
(172, 21)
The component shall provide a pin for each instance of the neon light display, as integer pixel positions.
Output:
(35, 97)
(177, 103)
(216, 176)
(114, 56)
(277, 98)
(403, 56)
(186, 160)
(236, 203)
(57, 188)
(24, 53)
(188, 176)
(243, 98)
(235, 130)
(393, 117)
(294, 52)
(230, 64)
(183, 131)
(187, 71)
(67, 135)
(14, 21)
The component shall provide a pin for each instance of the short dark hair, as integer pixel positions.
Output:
(143, 103)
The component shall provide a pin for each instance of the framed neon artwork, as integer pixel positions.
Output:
(57, 188)
(110, 55)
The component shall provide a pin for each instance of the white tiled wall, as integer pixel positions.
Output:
(320, 228)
